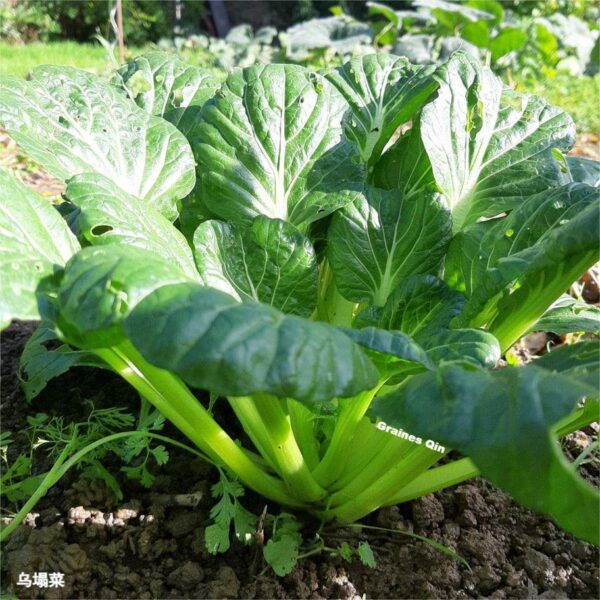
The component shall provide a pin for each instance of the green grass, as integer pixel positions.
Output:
(19, 60)
(579, 97)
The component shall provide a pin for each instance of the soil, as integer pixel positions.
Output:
(150, 545)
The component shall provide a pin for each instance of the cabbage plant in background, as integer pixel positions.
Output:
(343, 256)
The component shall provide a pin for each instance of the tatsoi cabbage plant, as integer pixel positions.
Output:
(345, 256)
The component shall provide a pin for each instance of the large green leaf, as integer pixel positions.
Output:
(108, 215)
(393, 352)
(421, 307)
(216, 343)
(490, 147)
(405, 166)
(568, 315)
(580, 361)
(383, 92)
(514, 268)
(271, 143)
(165, 86)
(502, 420)
(474, 345)
(382, 239)
(35, 242)
(72, 122)
(102, 285)
(44, 358)
(270, 262)
(584, 170)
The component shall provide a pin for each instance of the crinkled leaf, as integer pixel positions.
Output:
(36, 242)
(72, 122)
(505, 414)
(584, 170)
(39, 364)
(165, 86)
(271, 143)
(383, 92)
(269, 262)
(102, 285)
(381, 239)
(420, 307)
(474, 345)
(213, 342)
(490, 147)
(568, 315)
(109, 215)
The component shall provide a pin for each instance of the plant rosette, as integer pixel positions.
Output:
(274, 241)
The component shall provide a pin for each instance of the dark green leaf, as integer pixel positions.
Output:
(580, 361)
(405, 166)
(393, 352)
(213, 342)
(420, 307)
(382, 239)
(102, 285)
(270, 262)
(475, 345)
(568, 315)
(39, 364)
(502, 421)
(584, 170)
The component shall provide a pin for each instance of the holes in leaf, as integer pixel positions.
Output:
(509, 233)
(100, 230)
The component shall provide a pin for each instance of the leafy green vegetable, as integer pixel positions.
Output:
(568, 315)
(490, 148)
(36, 242)
(382, 239)
(268, 144)
(383, 92)
(39, 364)
(167, 87)
(216, 343)
(508, 414)
(366, 243)
(271, 262)
(72, 122)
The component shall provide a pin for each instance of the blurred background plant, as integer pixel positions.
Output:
(549, 47)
